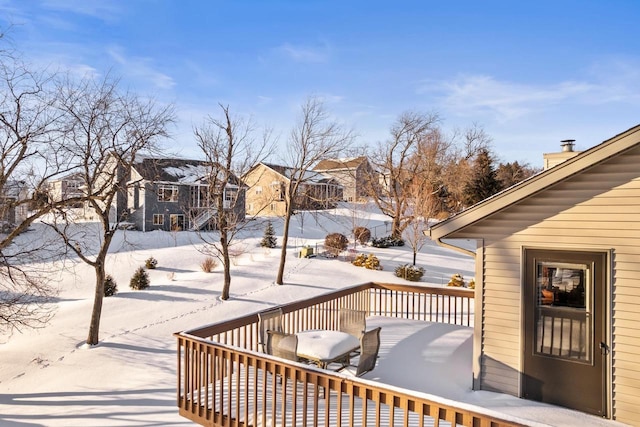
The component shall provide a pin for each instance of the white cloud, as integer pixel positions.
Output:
(615, 81)
(506, 100)
(264, 100)
(305, 54)
(104, 9)
(141, 68)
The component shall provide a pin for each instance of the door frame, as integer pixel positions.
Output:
(607, 334)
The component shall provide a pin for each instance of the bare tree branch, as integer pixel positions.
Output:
(315, 137)
(230, 149)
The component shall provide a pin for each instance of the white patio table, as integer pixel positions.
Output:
(323, 347)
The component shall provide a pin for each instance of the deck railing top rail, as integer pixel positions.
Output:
(449, 292)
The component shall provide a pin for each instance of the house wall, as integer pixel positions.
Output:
(347, 179)
(151, 205)
(353, 181)
(596, 210)
(263, 198)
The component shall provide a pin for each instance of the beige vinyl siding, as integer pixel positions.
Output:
(596, 210)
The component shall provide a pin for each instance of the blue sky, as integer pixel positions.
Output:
(531, 73)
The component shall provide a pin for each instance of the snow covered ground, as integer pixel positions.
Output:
(48, 377)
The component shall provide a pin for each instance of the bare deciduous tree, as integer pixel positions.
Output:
(424, 187)
(28, 158)
(230, 149)
(392, 160)
(315, 137)
(105, 130)
(456, 171)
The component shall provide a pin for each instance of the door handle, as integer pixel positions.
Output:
(604, 349)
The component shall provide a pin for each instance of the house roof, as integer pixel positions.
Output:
(287, 172)
(179, 171)
(538, 183)
(334, 164)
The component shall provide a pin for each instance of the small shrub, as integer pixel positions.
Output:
(409, 272)
(335, 243)
(110, 286)
(209, 264)
(140, 280)
(472, 284)
(387, 241)
(456, 280)
(151, 263)
(269, 240)
(359, 260)
(362, 235)
(369, 262)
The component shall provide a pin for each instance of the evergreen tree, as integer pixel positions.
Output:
(483, 182)
(511, 173)
(268, 240)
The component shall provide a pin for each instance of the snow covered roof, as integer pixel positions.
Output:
(310, 176)
(346, 163)
(178, 171)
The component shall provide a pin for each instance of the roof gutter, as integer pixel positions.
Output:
(450, 246)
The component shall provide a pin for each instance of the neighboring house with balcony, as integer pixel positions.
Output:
(174, 195)
(558, 282)
(268, 183)
(353, 174)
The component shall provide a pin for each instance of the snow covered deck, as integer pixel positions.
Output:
(423, 375)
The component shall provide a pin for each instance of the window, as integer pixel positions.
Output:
(167, 193)
(158, 219)
(259, 189)
(177, 222)
(230, 196)
(272, 206)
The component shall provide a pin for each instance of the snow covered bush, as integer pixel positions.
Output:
(335, 243)
(151, 263)
(387, 241)
(140, 279)
(409, 272)
(362, 235)
(369, 262)
(456, 280)
(110, 286)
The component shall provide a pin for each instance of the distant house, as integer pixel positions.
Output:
(174, 194)
(353, 174)
(13, 208)
(66, 187)
(267, 185)
(558, 282)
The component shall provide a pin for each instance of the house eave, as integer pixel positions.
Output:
(537, 183)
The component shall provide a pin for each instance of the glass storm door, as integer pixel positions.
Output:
(565, 341)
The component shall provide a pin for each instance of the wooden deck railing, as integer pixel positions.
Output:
(224, 381)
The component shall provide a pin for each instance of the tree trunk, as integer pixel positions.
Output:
(94, 326)
(224, 242)
(283, 254)
(396, 229)
(414, 257)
